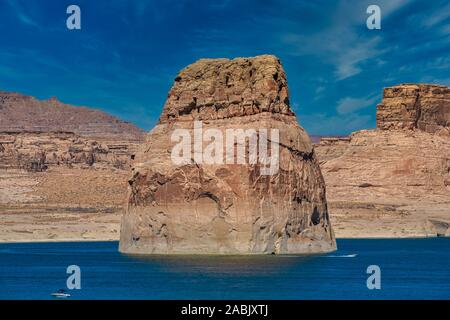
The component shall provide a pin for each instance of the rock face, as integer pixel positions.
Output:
(409, 106)
(63, 170)
(40, 150)
(393, 181)
(37, 134)
(221, 207)
(21, 113)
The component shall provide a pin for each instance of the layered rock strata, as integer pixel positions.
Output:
(36, 134)
(415, 106)
(227, 206)
(22, 113)
(40, 150)
(63, 170)
(393, 181)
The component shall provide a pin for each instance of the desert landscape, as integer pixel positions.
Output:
(225, 157)
(393, 181)
(65, 170)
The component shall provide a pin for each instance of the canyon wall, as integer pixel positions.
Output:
(22, 113)
(40, 150)
(410, 106)
(63, 170)
(393, 181)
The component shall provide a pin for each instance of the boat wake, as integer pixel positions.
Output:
(353, 255)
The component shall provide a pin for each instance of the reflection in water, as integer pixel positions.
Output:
(219, 265)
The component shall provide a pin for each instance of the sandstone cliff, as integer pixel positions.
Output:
(37, 134)
(393, 181)
(63, 170)
(410, 106)
(21, 113)
(227, 208)
(40, 150)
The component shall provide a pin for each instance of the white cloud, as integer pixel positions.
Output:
(340, 43)
(350, 104)
(342, 48)
(348, 64)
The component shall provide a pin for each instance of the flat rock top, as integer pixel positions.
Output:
(412, 89)
(223, 88)
(21, 113)
(415, 106)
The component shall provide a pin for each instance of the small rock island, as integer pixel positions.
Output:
(204, 208)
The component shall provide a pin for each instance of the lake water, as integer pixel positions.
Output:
(410, 269)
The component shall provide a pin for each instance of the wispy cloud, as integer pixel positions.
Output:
(125, 58)
(437, 17)
(22, 16)
(351, 104)
(27, 20)
(342, 43)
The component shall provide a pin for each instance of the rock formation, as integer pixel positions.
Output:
(39, 150)
(410, 106)
(21, 113)
(227, 207)
(35, 134)
(63, 170)
(393, 181)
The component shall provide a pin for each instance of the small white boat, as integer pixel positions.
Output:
(60, 294)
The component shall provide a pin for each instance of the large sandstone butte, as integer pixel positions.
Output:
(63, 170)
(393, 181)
(229, 208)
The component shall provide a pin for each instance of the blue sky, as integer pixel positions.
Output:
(126, 55)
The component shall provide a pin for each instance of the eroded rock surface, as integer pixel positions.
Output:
(227, 208)
(21, 113)
(36, 134)
(63, 170)
(409, 106)
(393, 181)
(40, 150)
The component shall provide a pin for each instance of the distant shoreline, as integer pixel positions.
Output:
(57, 241)
(116, 240)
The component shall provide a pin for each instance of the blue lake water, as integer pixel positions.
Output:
(410, 269)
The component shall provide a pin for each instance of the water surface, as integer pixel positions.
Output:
(410, 269)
